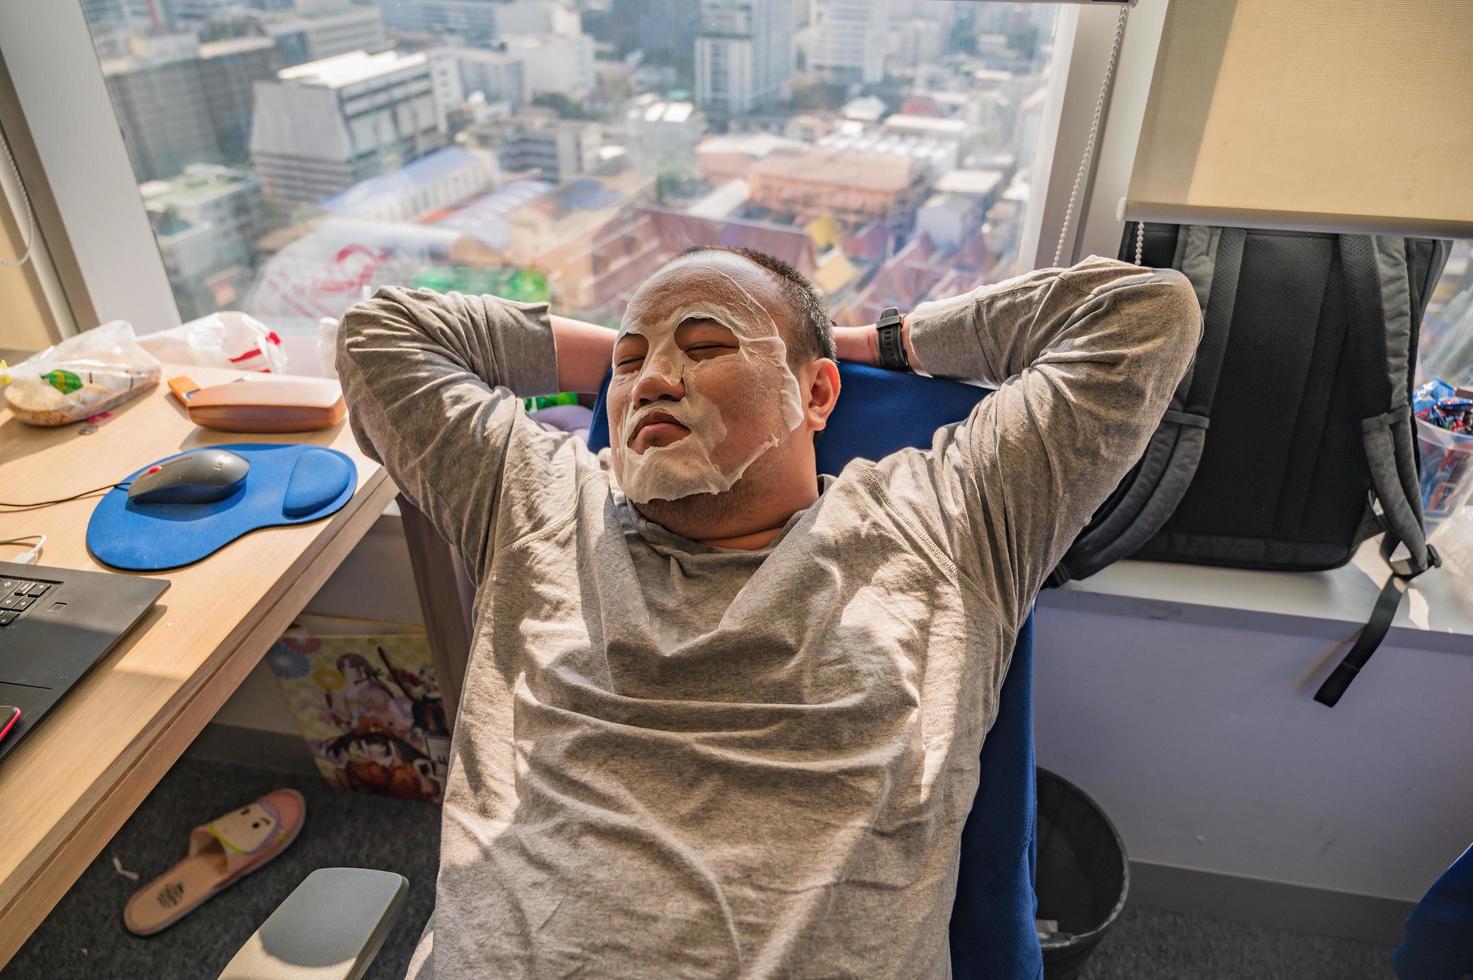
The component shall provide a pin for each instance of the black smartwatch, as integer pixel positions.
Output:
(892, 347)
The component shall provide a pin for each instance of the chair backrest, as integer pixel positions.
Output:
(992, 920)
(1436, 943)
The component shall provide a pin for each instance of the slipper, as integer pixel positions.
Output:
(220, 854)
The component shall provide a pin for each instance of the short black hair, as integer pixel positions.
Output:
(813, 334)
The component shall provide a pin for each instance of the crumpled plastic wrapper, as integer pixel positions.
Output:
(93, 372)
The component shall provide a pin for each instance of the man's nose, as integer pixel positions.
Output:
(658, 384)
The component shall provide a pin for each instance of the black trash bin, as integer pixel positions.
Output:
(1083, 875)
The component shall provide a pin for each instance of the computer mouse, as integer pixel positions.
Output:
(200, 477)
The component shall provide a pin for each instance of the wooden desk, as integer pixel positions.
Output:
(69, 786)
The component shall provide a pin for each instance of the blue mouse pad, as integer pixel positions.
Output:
(288, 483)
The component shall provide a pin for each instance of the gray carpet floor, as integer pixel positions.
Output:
(84, 935)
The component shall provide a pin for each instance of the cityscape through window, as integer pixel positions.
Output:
(292, 156)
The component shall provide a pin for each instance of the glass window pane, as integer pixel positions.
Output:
(293, 156)
(1447, 330)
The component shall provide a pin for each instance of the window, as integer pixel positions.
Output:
(1447, 330)
(291, 160)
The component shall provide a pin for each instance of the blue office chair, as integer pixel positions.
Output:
(1438, 943)
(992, 921)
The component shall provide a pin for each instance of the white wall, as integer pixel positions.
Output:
(1204, 745)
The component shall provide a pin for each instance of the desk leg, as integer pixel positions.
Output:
(445, 598)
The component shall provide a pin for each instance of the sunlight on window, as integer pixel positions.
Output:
(293, 156)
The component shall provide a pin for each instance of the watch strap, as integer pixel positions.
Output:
(892, 346)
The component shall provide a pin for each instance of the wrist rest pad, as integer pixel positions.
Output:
(288, 483)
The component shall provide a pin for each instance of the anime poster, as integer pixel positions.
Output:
(370, 709)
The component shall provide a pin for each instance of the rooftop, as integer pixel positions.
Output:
(752, 144)
(867, 108)
(199, 182)
(890, 144)
(671, 112)
(484, 218)
(723, 201)
(928, 124)
(417, 173)
(978, 182)
(349, 69)
(234, 45)
(862, 171)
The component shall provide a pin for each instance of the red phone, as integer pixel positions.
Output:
(9, 715)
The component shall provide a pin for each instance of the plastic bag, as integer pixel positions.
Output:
(229, 339)
(81, 376)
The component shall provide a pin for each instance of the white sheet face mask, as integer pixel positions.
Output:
(711, 458)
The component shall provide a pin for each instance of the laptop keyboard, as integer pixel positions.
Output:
(18, 595)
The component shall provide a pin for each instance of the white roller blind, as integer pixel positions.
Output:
(1336, 115)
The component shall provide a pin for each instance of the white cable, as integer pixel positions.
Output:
(1094, 133)
(30, 235)
(29, 556)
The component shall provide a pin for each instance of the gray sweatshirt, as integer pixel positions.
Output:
(672, 759)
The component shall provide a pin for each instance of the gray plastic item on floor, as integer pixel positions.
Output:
(329, 928)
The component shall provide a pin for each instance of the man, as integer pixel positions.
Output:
(725, 721)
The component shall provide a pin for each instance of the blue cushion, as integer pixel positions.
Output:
(288, 483)
(992, 928)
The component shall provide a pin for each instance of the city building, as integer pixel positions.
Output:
(180, 102)
(730, 157)
(554, 63)
(472, 21)
(917, 272)
(324, 30)
(482, 221)
(537, 142)
(554, 149)
(205, 221)
(537, 17)
(865, 109)
(160, 103)
(723, 202)
(662, 31)
(228, 72)
(848, 41)
(187, 15)
(321, 127)
(113, 22)
(663, 134)
(949, 219)
(460, 71)
(595, 270)
(478, 23)
(952, 130)
(914, 42)
(432, 183)
(854, 188)
(937, 155)
(744, 55)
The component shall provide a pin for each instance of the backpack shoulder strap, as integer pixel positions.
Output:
(1379, 323)
(1211, 259)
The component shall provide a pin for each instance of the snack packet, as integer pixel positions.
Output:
(81, 376)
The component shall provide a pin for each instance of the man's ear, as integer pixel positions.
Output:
(822, 391)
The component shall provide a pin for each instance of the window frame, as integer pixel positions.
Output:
(70, 152)
(68, 147)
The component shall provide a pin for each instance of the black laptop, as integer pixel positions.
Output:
(55, 623)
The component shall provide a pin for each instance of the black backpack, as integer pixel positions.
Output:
(1293, 422)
